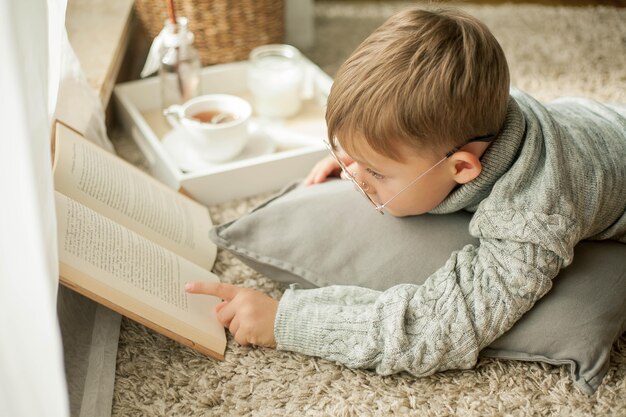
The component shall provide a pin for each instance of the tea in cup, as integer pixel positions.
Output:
(216, 124)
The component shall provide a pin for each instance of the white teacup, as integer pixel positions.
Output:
(217, 124)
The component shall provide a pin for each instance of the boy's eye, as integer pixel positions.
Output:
(375, 174)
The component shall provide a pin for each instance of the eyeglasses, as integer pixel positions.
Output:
(362, 186)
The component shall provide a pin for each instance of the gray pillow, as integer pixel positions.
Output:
(328, 234)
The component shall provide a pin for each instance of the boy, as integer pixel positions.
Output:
(421, 119)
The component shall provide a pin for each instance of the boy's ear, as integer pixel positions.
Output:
(466, 166)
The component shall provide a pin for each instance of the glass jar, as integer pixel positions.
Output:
(179, 68)
(275, 78)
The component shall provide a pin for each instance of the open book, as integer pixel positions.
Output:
(131, 243)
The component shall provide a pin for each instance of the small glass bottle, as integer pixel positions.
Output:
(275, 78)
(179, 69)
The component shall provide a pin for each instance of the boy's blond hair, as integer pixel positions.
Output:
(431, 79)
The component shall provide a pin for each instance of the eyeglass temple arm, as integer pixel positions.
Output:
(485, 138)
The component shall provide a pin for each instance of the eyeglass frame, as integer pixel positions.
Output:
(380, 207)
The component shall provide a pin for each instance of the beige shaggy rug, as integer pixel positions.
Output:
(552, 51)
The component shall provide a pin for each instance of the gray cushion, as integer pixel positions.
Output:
(328, 234)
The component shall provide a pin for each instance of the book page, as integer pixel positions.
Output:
(123, 193)
(134, 273)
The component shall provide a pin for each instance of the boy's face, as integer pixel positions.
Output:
(384, 178)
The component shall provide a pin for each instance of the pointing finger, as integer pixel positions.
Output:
(219, 289)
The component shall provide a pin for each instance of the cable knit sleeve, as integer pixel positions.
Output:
(444, 323)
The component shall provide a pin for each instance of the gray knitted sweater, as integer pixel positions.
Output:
(555, 175)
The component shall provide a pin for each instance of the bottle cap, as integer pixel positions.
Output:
(171, 36)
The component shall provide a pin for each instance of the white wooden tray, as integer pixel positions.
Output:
(298, 140)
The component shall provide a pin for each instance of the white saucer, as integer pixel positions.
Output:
(182, 152)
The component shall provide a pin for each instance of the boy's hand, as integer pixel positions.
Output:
(248, 314)
(327, 167)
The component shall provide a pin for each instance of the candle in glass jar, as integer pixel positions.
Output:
(275, 80)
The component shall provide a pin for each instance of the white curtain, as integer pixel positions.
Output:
(90, 332)
(32, 381)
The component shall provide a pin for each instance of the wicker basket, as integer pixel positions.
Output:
(224, 31)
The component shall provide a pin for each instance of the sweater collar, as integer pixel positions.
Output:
(496, 160)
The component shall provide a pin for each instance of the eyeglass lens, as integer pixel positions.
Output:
(360, 187)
